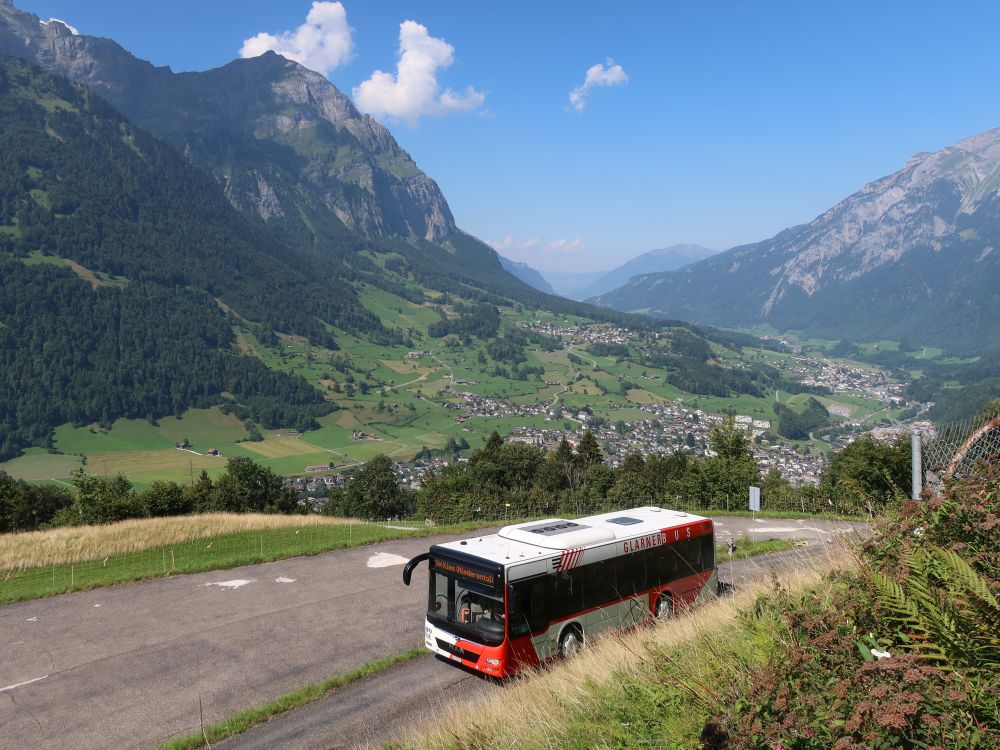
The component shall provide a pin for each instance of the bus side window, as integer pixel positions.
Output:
(566, 594)
(686, 557)
(599, 584)
(631, 574)
(708, 552)
(692, 553)
(528, 607)
(663, 564)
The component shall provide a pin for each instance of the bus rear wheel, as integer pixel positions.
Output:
(664, 607)
(570, 643)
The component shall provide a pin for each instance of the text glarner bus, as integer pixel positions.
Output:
(538, 590)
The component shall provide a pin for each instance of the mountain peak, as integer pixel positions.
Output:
(279, 137)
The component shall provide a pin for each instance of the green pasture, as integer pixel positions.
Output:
(38, 464)
(204, 428)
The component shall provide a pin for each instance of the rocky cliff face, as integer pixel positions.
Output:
(275, 134)
(911, 254)
(920, 206)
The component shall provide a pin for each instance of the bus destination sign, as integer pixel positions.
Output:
(463, 570)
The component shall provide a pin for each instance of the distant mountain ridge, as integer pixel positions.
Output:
(527, 274)
(911, 255)
(664, 259)
(568, 283)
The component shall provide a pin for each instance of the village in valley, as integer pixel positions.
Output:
(861, 398)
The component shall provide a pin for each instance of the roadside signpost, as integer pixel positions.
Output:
(754, 509)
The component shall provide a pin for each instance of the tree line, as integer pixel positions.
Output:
(245, 487)
(503, 479)
(512, 479)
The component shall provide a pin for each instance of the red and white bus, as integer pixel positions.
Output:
(539, 590)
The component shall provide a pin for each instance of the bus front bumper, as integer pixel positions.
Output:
(489, 660)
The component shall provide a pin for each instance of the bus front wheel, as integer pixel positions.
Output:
(570, 643)
(664, 607)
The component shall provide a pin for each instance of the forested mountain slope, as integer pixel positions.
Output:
(139, 326)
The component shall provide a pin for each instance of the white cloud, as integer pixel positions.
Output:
(608, 74)
(565, 246)
(322, 43)
(414, 90)
(509, 245)
(72, 29)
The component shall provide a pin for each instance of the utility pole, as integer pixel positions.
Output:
(916, 467)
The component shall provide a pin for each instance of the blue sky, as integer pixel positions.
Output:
(725, 123)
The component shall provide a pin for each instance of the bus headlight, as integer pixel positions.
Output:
(494, 662)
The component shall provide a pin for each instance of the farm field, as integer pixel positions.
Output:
(37, 464)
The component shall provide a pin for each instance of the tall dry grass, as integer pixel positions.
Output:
(81, 543)
(543, 708)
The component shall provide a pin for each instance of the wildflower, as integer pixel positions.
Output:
(879, 654)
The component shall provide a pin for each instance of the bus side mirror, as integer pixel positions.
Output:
(408, 568)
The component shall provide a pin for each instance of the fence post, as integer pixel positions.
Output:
(916, 468)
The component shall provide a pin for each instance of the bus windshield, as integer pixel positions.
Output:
(469, 610)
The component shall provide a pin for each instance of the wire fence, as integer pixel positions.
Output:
(955, 448)
(215, 553)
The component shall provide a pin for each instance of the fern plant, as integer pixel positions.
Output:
(945, 611)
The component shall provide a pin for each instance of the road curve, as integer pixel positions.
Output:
(386, 706)
(132, 665)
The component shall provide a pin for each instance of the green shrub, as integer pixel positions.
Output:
(902, 654)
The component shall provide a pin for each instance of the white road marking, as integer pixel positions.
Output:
(19, 643)
(282, 579)
(385, 560)
(233, 584)
(96, 605)
(32, 619)
(781, 529)
(400, 528)
(21, 684)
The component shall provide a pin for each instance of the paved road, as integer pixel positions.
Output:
(386, 706)
(132, 665)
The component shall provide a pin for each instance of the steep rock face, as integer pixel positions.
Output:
(276, 135)
(911, 254)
